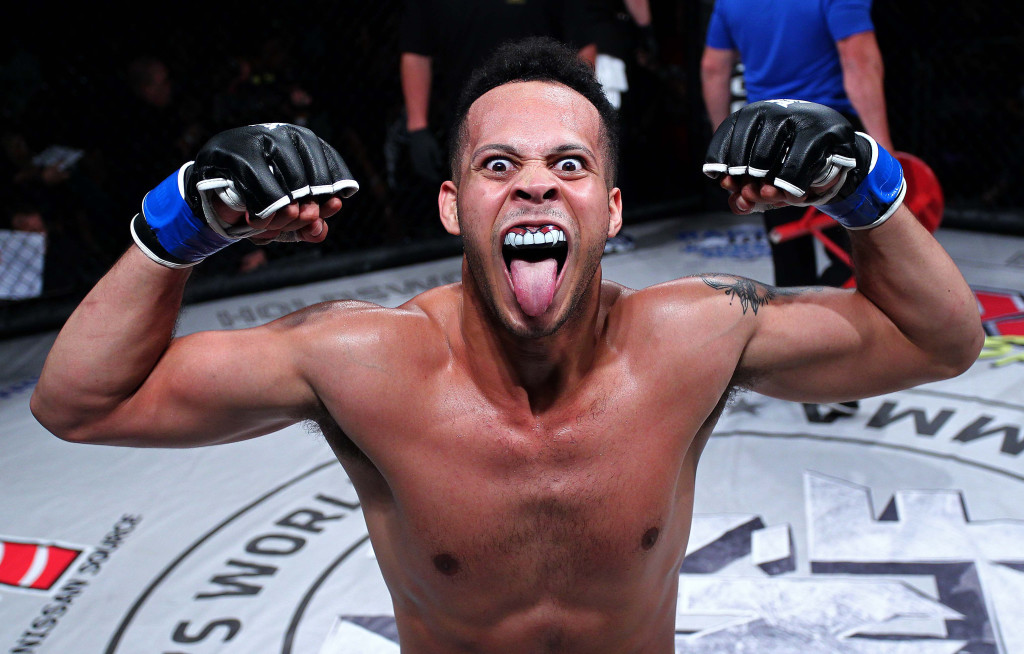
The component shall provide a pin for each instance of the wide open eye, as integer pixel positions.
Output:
(569, 165)
(498, 165)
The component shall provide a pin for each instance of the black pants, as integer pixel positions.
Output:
(794, 261)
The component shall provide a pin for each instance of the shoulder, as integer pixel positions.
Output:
(329, 332)
(352, 313)
(747, 295)
(715, 292)
(344, 318)
(693, 330)
(707, 303)
(725, 307)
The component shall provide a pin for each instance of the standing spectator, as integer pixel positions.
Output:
(159, 120)
(626, 45)
(824, 51)
(625, 36)
(440, 42)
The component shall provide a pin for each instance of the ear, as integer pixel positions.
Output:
(614, 212)
(447, 205)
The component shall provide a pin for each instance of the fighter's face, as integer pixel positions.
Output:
(532, 204)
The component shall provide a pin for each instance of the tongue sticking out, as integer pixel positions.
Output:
(534, 284)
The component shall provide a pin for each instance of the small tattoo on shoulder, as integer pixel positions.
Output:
(752, 295)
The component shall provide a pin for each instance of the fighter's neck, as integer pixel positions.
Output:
(543, 368)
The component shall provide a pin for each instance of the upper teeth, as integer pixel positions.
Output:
(547, 236)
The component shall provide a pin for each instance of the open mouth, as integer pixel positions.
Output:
(534, 257)
(535, 244)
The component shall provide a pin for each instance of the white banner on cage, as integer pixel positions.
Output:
(22, 256)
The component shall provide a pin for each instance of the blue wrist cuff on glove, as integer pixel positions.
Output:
(186, 238)
(877, 197)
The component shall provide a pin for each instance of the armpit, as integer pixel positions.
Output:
(342, 446)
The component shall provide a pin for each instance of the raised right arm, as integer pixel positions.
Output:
(116, 374)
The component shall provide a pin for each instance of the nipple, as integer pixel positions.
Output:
(650, 537)
(446, 564)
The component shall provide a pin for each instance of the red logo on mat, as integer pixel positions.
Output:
(34, 565)
(1002, 311)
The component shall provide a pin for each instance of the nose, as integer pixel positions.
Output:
(536, 185)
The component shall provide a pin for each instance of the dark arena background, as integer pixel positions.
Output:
(895, 526)
(953, 81)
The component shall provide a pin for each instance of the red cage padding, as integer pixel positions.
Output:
(924, 199)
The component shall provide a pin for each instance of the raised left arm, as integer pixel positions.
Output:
(912, 318)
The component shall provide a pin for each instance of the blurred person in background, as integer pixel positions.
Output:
(440, 42)
(823, 51)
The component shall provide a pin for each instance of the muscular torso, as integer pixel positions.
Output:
(499, 526)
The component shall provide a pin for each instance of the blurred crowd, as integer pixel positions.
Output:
(92, 122)
(96, 111)
(79, 154)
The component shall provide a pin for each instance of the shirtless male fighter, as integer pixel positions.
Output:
(524, 443)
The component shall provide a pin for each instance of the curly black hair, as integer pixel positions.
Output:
(536, 58)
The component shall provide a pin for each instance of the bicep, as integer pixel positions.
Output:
(213, 387)
(827, 344)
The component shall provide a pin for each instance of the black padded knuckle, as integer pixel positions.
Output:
(266, 162)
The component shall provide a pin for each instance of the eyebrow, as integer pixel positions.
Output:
(509, 149)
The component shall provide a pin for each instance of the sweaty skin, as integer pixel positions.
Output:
(527, 476)
(506, 520)
(541, 420)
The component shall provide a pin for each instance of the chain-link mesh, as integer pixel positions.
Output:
(955, 86)
(21, 264)
(81, 149)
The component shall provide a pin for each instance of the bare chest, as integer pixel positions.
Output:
(588, 488)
